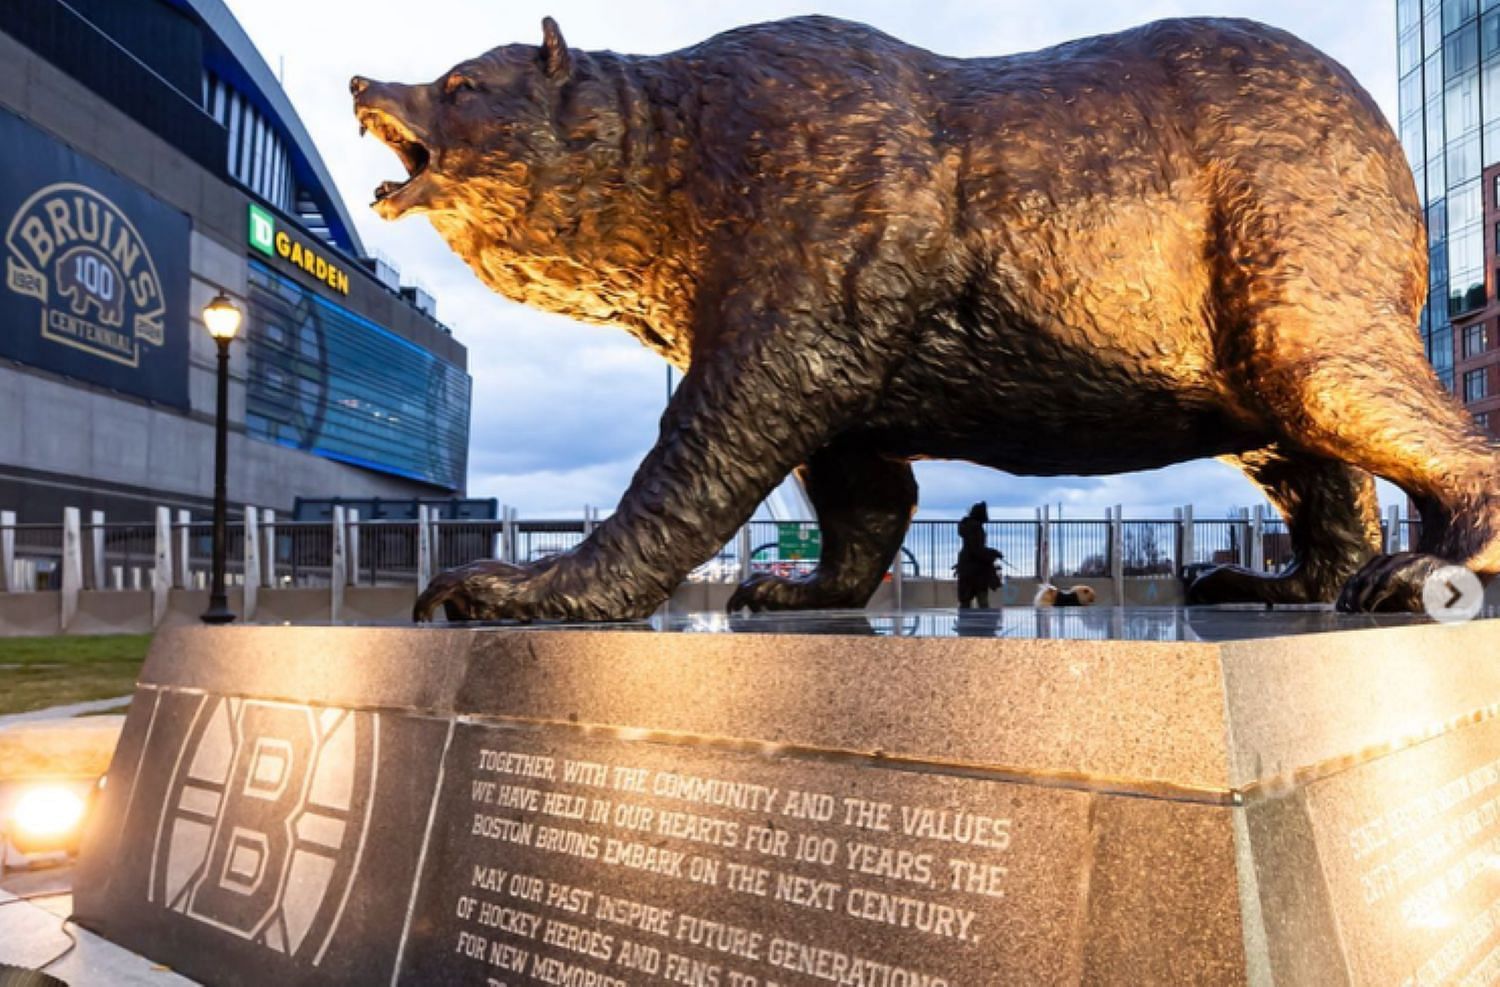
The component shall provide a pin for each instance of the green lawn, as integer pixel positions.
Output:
(36, 672)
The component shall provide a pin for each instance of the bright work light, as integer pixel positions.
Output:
(47, 816)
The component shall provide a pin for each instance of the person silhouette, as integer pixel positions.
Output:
(976, 563)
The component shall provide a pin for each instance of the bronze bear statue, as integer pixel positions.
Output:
(1194, 238)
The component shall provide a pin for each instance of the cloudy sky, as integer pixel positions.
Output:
(563, 412)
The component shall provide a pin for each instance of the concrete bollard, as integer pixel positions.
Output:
(1188, 550)
(1044, 544)
(424, 549)
(96, 569)
(351, 530)
(250, 579)
(1117, 552)
(1258, 539)
(744, 552)
(9, 581)
(182, 562)
(338, 569)
(161, 576)
(268, 548)
(72, 565)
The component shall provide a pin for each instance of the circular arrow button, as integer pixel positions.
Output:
(1452, 594)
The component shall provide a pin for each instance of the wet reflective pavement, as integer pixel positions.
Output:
(1209, 624)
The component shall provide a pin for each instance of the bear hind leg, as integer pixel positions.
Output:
(1333, 520)
(864, 502)
(1380, 407)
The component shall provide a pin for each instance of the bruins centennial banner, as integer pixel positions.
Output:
(95, 271)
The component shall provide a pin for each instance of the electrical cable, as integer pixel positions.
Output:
(14, 976)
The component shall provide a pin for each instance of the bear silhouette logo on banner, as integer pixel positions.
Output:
(79, 255)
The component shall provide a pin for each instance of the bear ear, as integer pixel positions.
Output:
(555, 57)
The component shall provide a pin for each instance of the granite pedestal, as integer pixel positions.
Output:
(1101, 796)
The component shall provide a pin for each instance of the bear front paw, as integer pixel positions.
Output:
(764, 591)
(489, 590)
(1390, 584)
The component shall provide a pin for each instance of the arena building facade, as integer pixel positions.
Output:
(151, 160)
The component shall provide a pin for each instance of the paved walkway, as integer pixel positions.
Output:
(31, 933)
(65, 712)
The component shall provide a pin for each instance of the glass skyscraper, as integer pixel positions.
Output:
(1448, 59)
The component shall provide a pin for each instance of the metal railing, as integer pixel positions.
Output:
(390, 552)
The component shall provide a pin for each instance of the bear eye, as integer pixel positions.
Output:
(458, 82)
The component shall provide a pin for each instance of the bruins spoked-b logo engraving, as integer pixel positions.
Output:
(264, 824)
(75, 252)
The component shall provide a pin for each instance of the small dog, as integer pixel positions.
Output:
(1048, 595)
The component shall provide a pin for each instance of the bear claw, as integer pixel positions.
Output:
(1390, 584)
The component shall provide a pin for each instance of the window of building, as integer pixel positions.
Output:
(1489, 34)
(1457, 13)
(1464, 160)
(1465, 269)
(1482, 419)
(1476, 385)
(1476, 340)
(1465, 207)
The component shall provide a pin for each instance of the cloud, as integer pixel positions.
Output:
(563, 413)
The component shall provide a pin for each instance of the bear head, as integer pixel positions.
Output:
(518, 159)
(477, 136)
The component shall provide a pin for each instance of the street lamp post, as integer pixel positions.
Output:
(223, 321)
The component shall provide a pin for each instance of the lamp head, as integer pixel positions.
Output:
(222, 318)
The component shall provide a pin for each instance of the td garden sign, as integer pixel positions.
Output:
(95, 271)
(265, 237)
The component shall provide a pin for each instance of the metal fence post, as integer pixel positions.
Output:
(1243, 527)
(97, 577)
(183, 563)
(424, 550)
(161, 575)
(338, 568)
(352, 530)
(72, 565)
(513, 546)
(1393, 530)
(1258, 539)
(507, 542)
(8, 581)
(1117, 552)
(251, 583)
(268, 556)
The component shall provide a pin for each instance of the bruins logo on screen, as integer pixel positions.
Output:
(264, 825)
(77, 254)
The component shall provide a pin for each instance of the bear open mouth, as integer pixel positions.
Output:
(413, 153)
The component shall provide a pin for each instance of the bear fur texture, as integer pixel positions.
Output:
(1194, 238)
